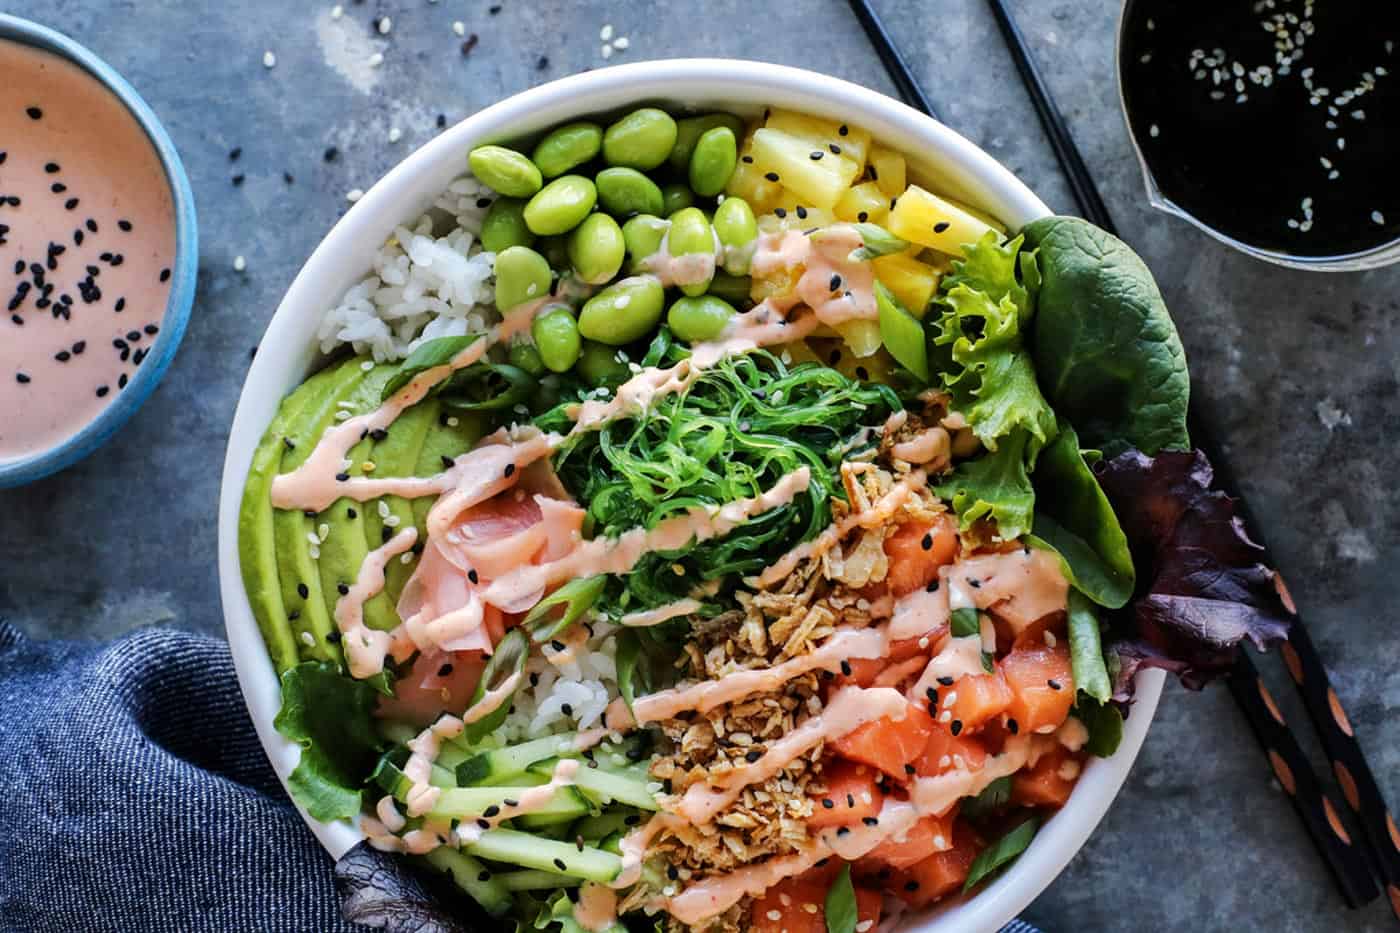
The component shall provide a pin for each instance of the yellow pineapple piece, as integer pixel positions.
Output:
(864, 203)
(911, 281)
(924, 218)
(862, 336)
(888, 168)
(818, 182)
(781, 283)
(854, 143)
(792, 213)
(747, 182)
(797, 352)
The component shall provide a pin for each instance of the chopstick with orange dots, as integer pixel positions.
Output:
(1315, 808)
(1349, 766)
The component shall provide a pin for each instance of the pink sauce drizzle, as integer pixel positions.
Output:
(649, 617)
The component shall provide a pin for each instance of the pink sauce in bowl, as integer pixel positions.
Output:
(97, 256)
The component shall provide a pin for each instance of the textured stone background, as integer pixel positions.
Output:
(1298, 372)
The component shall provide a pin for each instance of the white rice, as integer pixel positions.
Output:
(431, 279)
(587, 684)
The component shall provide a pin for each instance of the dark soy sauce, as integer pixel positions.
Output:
(1287, 142)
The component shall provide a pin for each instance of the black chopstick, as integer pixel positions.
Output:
(1353, 880)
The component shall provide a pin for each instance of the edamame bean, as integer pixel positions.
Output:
(716, 153)
(504, 225)
(737, 229)
(505, 171)
(521, 275)
(734, 289)
(624, 311)
(561, 205)
(525, 355)
(567, 147)
(599, 366)
(623, 192)
(691, 235)
(556, 337)
(596, 249)
(641, 140)
(695, 320)
(692, 128)
(675, 197)
(643, 235)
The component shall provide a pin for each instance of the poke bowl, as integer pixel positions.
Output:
(592, 539)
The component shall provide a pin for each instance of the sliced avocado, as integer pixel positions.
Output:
(257, 548)
(444, 439)
(300, 578)
(342, 546)
(395, 455)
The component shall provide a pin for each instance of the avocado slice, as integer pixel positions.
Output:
(300, 578)
(257, 548)
(395, 455)
(342, 546)
(452, 435)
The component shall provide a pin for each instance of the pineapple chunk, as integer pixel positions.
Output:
(747, 182)
(865, 199)
(911, 281)
(888, 168)
(877, 367)
(796, 352)
(927, 219)
(822, 134)
(862, 336)
(781, 283)
(816, 182)
(796, 215)
(981, 215)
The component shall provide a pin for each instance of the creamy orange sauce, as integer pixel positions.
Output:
(1020, 587)
(929, 446)
(596, 909)
(690, 269)
(493, 699)
(530, 800)
(848, 709)
(424, 748)
(620, 554)
(649, 617)
(365, 648)
(836, 288)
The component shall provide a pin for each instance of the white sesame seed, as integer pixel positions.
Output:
(607, 51)
(269, 60)
(385, 24)
(453, 421)
(1154, 131)
(1378, 217)
(308, 639)
(606, 32)
(376, 59)
(315, 552)
(1333, 175)
(395, 134)
(239, 263)
(406, 557)
(393, 521)
(384, 509)
(459, 28)
(323, 531)
(1341, 142)
(311, 537)
(621, 43)
(354, 194)
(337, 11)
(775, 915)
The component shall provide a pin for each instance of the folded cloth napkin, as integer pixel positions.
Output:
(138, 800)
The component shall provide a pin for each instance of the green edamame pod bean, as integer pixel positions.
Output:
(504, 225)
(716, 153)
(734, 289)
(521, 275)
(505, 171)
(695, 320)
(624, 311)
(643, 235)
(737, 229)
(623, 192)
(640, 140)
(525, 355)
(691, 234)
(689, 130)
(561, 205)
(556, 337)
(675, 197)
(599, 366)
(596, 249)
(567, 147)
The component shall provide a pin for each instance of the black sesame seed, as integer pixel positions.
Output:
(747, 160)
(846, 668)
(91, 225)
(19, 267)
(472, 575)
(303, 591)
(34, 113)
(79, 347)
(559, 864)
(771, 176)
(833, 358)
(815, 155)
(862, 216)
(940, 227)
(557, 645)
(165, 275)
(52, 168)
(672, 872)
(287, 177)
(862, 373)
(121, 381)
(378, 434)
(835, 149)
(753, 756)
(447, 462)
(1055, 685)
(828, 803)
(470, 43)
(870, 821)
(441, 120)
(911, 886)
(330, 154)
(801, 212)
(843, 130)
(342, 477)
(510, 469)
(955, 726)
(491, 811)
(851, 801)
(874, 175)
(124, 225)
(835, 283)
(21, 378)
(1013, 726)
(350, 513)
(133, 335)
(486, 825)
(70, 204)
(343, 589)
(974, 583)
(102, 391)
(120, 306)
(843, 831)
(566, 708)
(483, 876)
(510, 802)
(910, 769)
(932, 587)
(58, 187)
(542, 63)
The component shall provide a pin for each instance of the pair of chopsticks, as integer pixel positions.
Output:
(1354, 863)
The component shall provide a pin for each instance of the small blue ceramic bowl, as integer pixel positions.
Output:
(183, 269)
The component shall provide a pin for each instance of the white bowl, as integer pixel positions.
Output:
(287, 354)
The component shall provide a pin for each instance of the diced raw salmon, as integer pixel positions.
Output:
(978, 698)
(851, 795)
(798, 905)
(1041, 682)
(888, 744)
(1049, 783)
(929, 835)
(938, 875)
(945, 752)
(912, 565)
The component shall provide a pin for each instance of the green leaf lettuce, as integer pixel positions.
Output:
(329, 716)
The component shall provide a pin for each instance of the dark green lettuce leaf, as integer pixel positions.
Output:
(1106, 350)
(1074, 518)
(993, 487)
(329, 716)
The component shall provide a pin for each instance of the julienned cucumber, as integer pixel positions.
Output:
(596, 828)
(467, 872)
(502, 763)
(599, 784)
(530, 851)
(467, 803)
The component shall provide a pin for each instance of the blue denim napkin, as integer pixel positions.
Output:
(136, 798)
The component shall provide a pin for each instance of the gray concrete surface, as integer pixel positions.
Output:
(1298, 372)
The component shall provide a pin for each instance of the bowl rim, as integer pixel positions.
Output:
(184, 267)
(386, 204)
